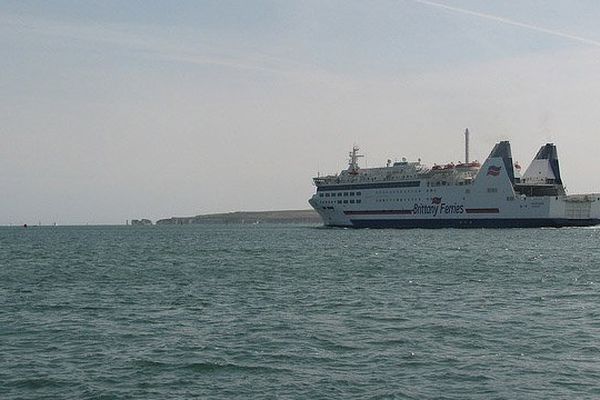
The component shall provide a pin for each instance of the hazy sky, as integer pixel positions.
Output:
(112, 110)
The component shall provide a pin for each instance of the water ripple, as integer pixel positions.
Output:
(291, 311)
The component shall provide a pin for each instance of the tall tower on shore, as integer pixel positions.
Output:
(467, 145)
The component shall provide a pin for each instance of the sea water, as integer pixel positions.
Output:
(298, 312)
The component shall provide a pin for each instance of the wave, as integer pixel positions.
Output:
(230, 367)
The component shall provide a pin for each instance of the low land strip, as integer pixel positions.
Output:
(247, 217)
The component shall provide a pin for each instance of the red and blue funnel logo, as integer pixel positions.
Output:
(493, 170)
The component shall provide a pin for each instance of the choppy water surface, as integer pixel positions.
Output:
(290, 311)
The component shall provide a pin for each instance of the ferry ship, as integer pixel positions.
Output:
(409, 194)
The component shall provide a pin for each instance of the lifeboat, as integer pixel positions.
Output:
(473, 164)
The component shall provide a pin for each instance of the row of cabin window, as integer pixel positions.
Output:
(398, 191)
(445, 183)
(400, 200)
(351, 201)
(339, 194)
(405, 191)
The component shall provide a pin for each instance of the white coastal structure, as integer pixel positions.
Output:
(409, 194)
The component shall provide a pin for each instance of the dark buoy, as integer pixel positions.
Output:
(24, 225)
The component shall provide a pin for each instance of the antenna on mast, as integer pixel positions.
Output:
(467, 145)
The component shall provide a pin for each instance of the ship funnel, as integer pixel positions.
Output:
(545, 167)
(502, 150)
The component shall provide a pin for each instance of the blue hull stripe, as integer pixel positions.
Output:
(473, 223)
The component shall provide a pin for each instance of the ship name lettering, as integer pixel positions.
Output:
(438, 209)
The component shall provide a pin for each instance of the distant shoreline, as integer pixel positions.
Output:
(235, 217)
(247, 217)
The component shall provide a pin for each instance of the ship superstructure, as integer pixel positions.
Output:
(409, 194)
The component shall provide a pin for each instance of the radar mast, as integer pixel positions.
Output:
(353, 162)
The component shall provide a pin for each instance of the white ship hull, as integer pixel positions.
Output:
(491, 199)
